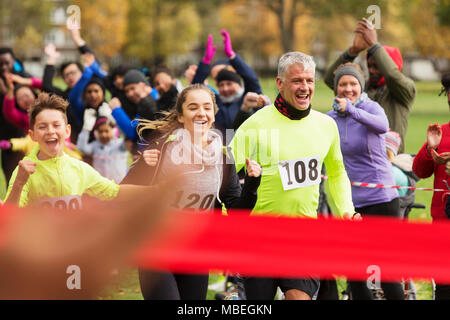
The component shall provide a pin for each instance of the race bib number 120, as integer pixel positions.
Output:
(299, 173)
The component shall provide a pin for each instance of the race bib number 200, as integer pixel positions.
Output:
(299, 173)
(70, 203)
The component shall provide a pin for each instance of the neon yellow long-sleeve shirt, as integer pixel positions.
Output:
(60, 182)
(291, 153)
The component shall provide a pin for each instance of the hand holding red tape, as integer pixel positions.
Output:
(289, 247)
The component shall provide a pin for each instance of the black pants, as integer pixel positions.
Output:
(392, 290)
(170, 286)
(447, 207)
(442, 292)
(257, 288)
(328, 290)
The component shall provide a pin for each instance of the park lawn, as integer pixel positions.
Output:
(428, 107)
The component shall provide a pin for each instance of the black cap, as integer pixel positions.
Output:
(98, 81)
(134, 76)
(225, 74)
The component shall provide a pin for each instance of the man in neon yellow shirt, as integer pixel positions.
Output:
(49, 177)
(291, 141)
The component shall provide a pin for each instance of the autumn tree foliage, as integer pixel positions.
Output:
(104, 25)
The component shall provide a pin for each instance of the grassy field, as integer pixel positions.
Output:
(428, 108)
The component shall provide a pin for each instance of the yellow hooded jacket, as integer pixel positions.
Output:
(60, 182)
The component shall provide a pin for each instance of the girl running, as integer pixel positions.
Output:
(185, 138)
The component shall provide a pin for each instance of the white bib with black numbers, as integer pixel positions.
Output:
(69, 203)
(299, 173)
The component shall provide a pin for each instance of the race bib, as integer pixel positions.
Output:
(198, 201)
(299, 173)
(72, 203)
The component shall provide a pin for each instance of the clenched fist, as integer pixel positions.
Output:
(151, 157)
(253, 100)
(253, 168)
(26, 168)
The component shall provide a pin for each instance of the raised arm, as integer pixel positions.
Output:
(75, 96)
(49, 70)
(10, 112)
(125, 124)
(373, 117)
(358, 45)
(17, 193)
(202, 71)
(251, 82)
(401, 87)
(423, 165)
(231, 193)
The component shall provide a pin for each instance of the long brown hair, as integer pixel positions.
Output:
(169, 122)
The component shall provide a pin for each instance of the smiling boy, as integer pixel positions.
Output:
(48, 176)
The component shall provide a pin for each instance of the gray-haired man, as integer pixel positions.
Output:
(291, 142)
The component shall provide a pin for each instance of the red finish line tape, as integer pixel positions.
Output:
(292, 247)
(289, 247)
(386, 186)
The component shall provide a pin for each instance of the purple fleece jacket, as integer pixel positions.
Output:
(362, 131)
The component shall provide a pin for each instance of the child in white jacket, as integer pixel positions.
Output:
(109, 153)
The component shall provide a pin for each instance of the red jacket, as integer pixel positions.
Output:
(424, 167)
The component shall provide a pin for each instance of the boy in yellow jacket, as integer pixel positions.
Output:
(48, 176)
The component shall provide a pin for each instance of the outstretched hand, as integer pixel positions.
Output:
(51, 53)
(189, 74)
(355, 217)
(76, 37)
(114, 103)
(434, 136)
(342, 103)
(9, 79)
(20, 80)
(25, 169)
(253, 168)
(227, 44)
(440, 158)
(359, 44)
(88, 59)
(151, 157)
(210, 50)
(368, 32)
(253, 100)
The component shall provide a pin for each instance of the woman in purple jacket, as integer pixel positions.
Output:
(362, 125)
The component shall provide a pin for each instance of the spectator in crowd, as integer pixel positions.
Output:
(387, 84)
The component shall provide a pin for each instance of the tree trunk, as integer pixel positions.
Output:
(286, 17)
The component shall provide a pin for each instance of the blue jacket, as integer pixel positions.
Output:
(76, 94)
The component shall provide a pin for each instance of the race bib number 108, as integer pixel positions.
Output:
(299, 173)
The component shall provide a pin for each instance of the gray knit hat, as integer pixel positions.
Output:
(134, 76)
(348, 70)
